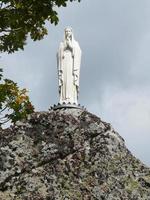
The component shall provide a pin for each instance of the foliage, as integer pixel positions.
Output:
(20, 18)
(13, 101)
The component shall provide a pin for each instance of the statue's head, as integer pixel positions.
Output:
(68, 32)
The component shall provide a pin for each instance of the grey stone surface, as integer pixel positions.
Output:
(68, 154)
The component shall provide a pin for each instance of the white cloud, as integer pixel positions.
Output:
(128, 110)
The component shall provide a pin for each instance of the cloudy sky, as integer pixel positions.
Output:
(114, 36)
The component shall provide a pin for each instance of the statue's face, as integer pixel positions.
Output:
(68, 32)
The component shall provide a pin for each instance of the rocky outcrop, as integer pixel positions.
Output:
(68, 154)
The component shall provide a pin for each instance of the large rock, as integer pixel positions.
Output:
(69, 154)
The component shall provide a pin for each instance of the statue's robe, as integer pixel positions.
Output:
(69, 72)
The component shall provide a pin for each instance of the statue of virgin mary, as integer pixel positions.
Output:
(68, 62)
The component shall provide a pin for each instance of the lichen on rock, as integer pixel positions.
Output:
(68, 154)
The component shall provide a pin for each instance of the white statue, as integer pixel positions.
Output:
(68, 61)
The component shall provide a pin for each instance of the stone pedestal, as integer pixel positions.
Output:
(61, 106)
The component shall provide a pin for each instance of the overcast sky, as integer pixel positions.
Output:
(114, 36)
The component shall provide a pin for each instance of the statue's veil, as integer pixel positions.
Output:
(72, 36)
